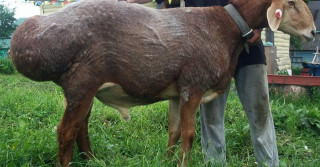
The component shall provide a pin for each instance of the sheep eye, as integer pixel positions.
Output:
(291, 3)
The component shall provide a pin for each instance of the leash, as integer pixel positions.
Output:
(243, 26)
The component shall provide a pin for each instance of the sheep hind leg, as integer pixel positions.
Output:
(72, 127)
(74, 124)
(83, 140)
(174, 126)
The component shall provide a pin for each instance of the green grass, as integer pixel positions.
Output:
(30, 112)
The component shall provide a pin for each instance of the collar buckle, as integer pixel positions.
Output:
(249, 34)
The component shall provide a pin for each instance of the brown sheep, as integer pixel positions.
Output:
(128, 55)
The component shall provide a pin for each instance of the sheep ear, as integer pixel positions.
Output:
(274, 14)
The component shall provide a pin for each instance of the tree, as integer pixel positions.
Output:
(7, 20)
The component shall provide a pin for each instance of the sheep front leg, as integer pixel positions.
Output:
(188, 111)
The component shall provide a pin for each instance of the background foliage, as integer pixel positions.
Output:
(7, 20)
(6, 66)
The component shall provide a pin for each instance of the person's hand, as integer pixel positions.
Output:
(256, 38)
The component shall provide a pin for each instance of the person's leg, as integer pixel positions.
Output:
(212, 129)
(252, 86)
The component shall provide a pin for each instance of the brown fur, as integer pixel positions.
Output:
(142, 50)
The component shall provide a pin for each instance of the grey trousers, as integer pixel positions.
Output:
(252, 87)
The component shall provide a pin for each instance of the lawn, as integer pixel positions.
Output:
(30, 112)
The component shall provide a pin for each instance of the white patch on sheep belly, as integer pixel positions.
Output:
(169, 92)
(208, 96)
(109, 94)
(114, 96)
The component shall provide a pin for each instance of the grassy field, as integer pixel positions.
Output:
(30, 112)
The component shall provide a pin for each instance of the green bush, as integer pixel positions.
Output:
(283, 72)
(315, 93)
(294, 113)
(296, 71)
(6, 66)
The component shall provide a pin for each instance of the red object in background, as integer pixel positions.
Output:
(294, 80)
(305, 72)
